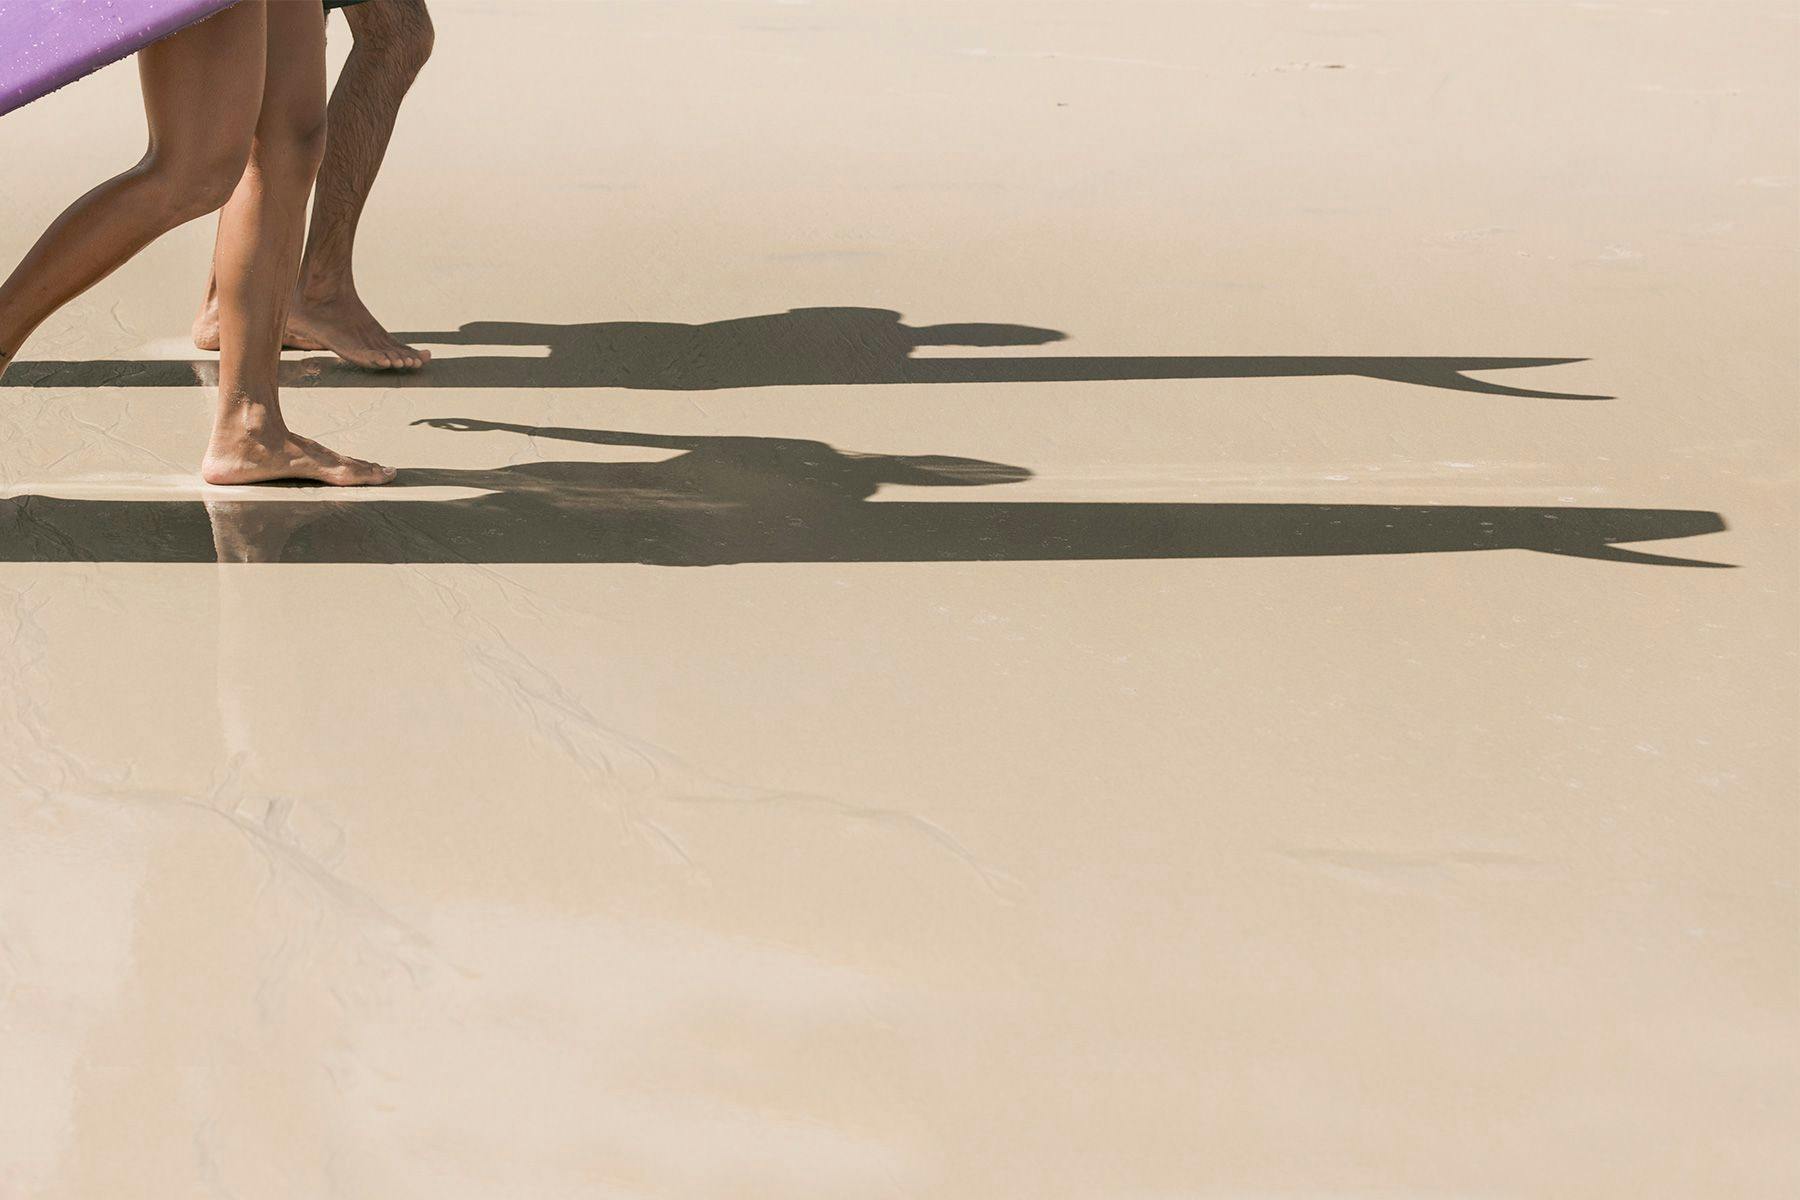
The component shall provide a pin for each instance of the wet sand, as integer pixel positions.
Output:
(988, 599)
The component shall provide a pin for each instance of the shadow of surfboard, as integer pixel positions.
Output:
(800, 348)
(723, 501)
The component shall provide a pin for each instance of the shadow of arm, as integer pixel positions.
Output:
(598, 437)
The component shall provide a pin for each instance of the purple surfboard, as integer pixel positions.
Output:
(47, 43)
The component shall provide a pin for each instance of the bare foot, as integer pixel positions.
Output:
(206, 325)
(347, 329)
(253, 460)
(343, 326)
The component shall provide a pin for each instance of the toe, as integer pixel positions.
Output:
(355, 474)
(369, 474)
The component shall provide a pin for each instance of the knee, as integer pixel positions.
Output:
(303, 142)
(403, 41)
(415, 48)
(189, 185)
(290, 146)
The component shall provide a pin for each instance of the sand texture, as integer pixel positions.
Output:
(1105, 600)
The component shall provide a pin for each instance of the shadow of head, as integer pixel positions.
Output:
(936, 470)
(977, 334)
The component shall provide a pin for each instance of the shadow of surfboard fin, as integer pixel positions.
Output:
(1606, 552)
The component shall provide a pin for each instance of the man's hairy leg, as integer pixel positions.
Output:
(393, 42)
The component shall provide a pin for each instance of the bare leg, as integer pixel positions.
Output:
(201, 90)
(393, 41)
(258, 260)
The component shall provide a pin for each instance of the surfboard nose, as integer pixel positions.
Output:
(1590, 525)
(1643, 525)
(1604, 533)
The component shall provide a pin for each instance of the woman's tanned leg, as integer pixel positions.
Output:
(258, 260)
(201, 95)
(393, 40)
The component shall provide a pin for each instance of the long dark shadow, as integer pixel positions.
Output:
(807, 346)
(733, 500)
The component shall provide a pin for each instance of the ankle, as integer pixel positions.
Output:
(243, 418)
(324, 291)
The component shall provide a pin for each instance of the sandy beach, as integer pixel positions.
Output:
(1074, 600)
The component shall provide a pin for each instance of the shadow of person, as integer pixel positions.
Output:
(798, 348)
(767, 475)
(804, 346)
(718, 501)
